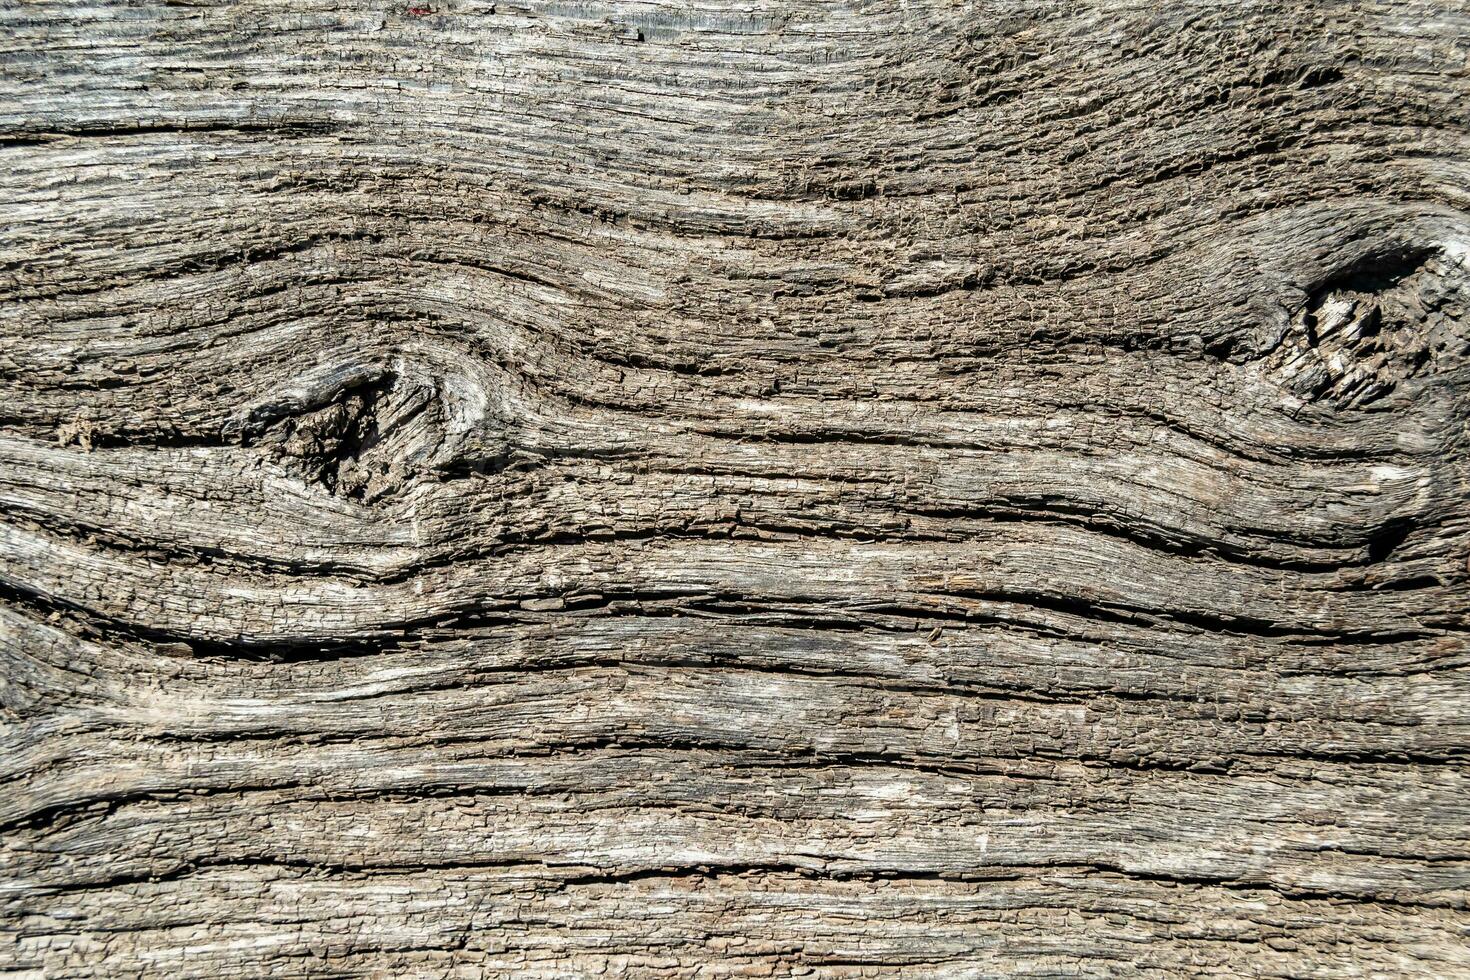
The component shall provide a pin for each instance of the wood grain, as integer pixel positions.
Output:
(707, 489)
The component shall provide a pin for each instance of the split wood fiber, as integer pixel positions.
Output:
(710, 489)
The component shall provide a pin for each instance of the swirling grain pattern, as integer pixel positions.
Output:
(695, 488)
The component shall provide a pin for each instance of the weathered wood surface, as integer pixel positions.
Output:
(708, 489)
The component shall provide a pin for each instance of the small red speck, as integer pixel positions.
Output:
(420, 11)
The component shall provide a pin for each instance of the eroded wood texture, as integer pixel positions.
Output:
(718, 489)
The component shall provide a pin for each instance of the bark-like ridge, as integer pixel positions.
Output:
(815, 489)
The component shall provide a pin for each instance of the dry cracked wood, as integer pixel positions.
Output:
(701, 489)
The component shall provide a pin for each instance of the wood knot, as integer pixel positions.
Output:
(80, 432)
(1369, 327)
(366, 442)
